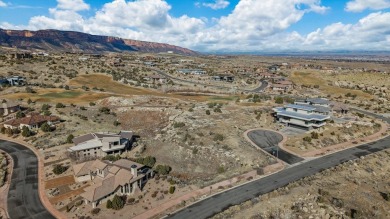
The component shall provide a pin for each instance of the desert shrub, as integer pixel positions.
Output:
(217, 110)
(314, 135)
(92, 104)
(59, 169)
(116, 123)
(147, 161)
(109, 204)
(172, 190)
(112, 157)
(20, 114)
(117, 203)
(221, 169)
(2, 130)
(60, 105)
(26, 132)
(163, 169)
(46, 127)
(279, 100)
(207, 112)
(45, 107)
(178, 124)
(218, 137)
(95, 211)
(104, 110)
(307, 139)
(69, 139)
(131, 200)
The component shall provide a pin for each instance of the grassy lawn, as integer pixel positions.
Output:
(314, 78)
(54, 95)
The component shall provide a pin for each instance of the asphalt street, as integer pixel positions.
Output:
(23, 196)
(268, 141)
(259, 89)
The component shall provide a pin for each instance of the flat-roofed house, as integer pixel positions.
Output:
(314, 102)
(101, 144)
(300, 116)
(122, 177)
(8, 108)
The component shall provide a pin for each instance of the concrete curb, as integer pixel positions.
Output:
(41, 183)
(5, 188)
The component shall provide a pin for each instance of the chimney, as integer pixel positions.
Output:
(134, 170)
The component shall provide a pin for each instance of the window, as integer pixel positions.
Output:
(295, 110)
(116, 143)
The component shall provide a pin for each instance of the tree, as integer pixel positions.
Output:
(46, 127)
(3, 129)
(69, 139)
(117, 203)
(109, 204)
(66, 87)
(92, 104)
(207, 112)
(20, 114)
(26, 132)
(29, 101)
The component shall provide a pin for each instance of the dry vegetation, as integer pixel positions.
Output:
(356, 189)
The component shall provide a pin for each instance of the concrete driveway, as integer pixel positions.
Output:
(23, 196)
(268, 141)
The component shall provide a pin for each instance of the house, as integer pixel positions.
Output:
(227, 78)
(101, 144)
(8, 108)
(31, 121)
(266, 75)
(192, 71)
(16, 80)
(280, 87)
(300, 116)
(122, 177)
(158, 79)
(340, 108)
(314, 102)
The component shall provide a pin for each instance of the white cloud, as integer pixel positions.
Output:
(369, 33)
(361, 5)
(217, 4)
(72, 5)
(3, 4)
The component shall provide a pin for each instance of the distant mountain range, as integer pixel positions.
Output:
(70, 41)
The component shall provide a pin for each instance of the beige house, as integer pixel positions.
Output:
(122, 177)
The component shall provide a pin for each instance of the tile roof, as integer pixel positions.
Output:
(32, 119)
(116, 177)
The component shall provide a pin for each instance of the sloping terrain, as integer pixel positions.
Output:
(70, 41)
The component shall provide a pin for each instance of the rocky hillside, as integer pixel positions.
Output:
(69, 41)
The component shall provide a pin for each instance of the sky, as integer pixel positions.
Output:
(216, 25)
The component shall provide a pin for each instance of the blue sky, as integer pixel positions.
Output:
(215, 25)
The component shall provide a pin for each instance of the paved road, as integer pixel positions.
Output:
(220, 202)
(268, 141)
(23, 196)
(263, 84)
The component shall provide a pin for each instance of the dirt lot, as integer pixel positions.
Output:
(357, 189)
